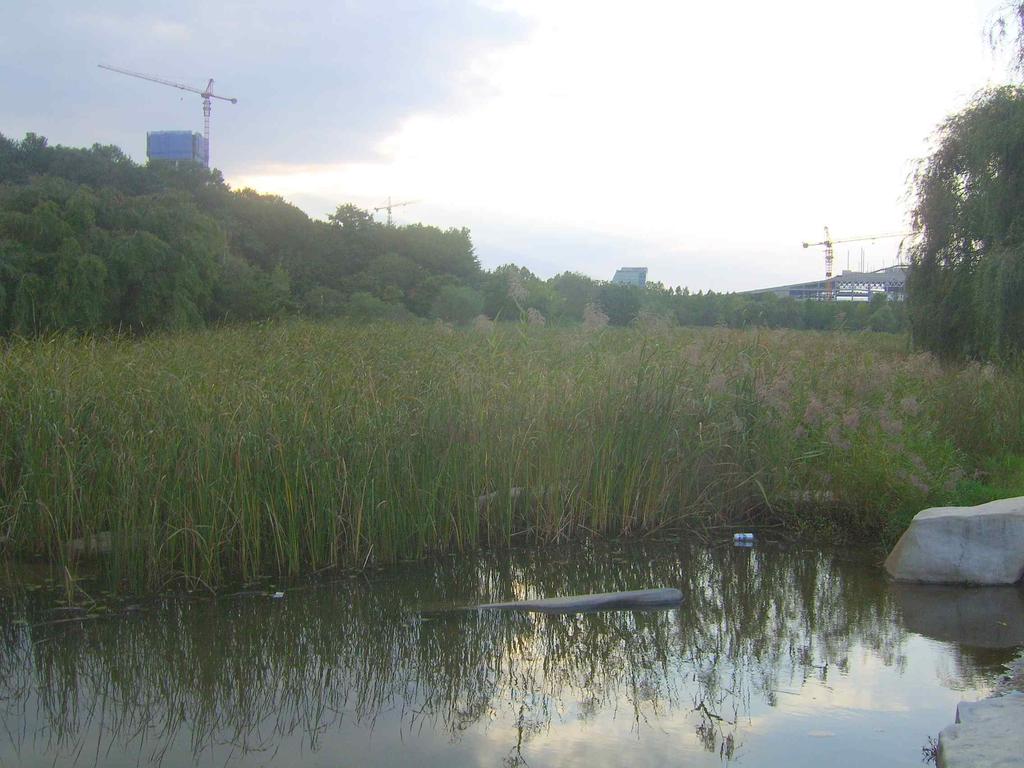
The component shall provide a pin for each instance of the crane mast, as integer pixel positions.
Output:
(829, 244)
(206, 94)
(387, 207)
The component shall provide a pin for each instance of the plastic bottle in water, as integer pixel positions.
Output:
(743, 539)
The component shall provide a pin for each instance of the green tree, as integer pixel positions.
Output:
(245, 292)
(575, 291)
(323, 302)
(620, 302)
(351, 218)
(968, 263)
(27, 314)
(364, 306)
(458, 304)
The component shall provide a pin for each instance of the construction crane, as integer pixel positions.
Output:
(828, 242)
(207, 94)
(391, 205)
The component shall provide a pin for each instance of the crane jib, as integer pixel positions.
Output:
(206, 95)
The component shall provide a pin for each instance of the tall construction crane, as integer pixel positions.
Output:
(207, 94)
(828, 242)
(391, 205)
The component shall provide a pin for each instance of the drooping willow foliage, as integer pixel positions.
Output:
(966, 282)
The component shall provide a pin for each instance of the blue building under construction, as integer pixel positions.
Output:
(177, 146)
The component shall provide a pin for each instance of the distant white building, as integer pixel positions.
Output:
(631, 276)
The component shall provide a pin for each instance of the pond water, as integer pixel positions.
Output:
(777, 657)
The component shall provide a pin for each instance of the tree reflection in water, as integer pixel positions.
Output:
(234, 676)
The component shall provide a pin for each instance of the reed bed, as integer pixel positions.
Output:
(293, 447)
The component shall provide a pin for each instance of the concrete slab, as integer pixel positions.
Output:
(987, 734)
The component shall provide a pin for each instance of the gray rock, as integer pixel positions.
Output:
(984, 617)
(962, 545)
(987, 734)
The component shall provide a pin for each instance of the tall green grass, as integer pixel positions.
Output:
(293, 447)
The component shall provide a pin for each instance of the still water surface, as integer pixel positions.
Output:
(777, 657)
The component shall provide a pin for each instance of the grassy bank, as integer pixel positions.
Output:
(294, 447)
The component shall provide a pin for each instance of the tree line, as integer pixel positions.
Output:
(90, 241)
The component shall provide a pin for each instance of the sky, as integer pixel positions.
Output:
(703, 140)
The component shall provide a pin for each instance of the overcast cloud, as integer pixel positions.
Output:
(317, 82)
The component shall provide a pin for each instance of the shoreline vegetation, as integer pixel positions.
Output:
(290, 447)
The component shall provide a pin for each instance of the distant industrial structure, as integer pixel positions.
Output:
(849, 286)
(631, 276)
(177, 146)
(206, 94)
